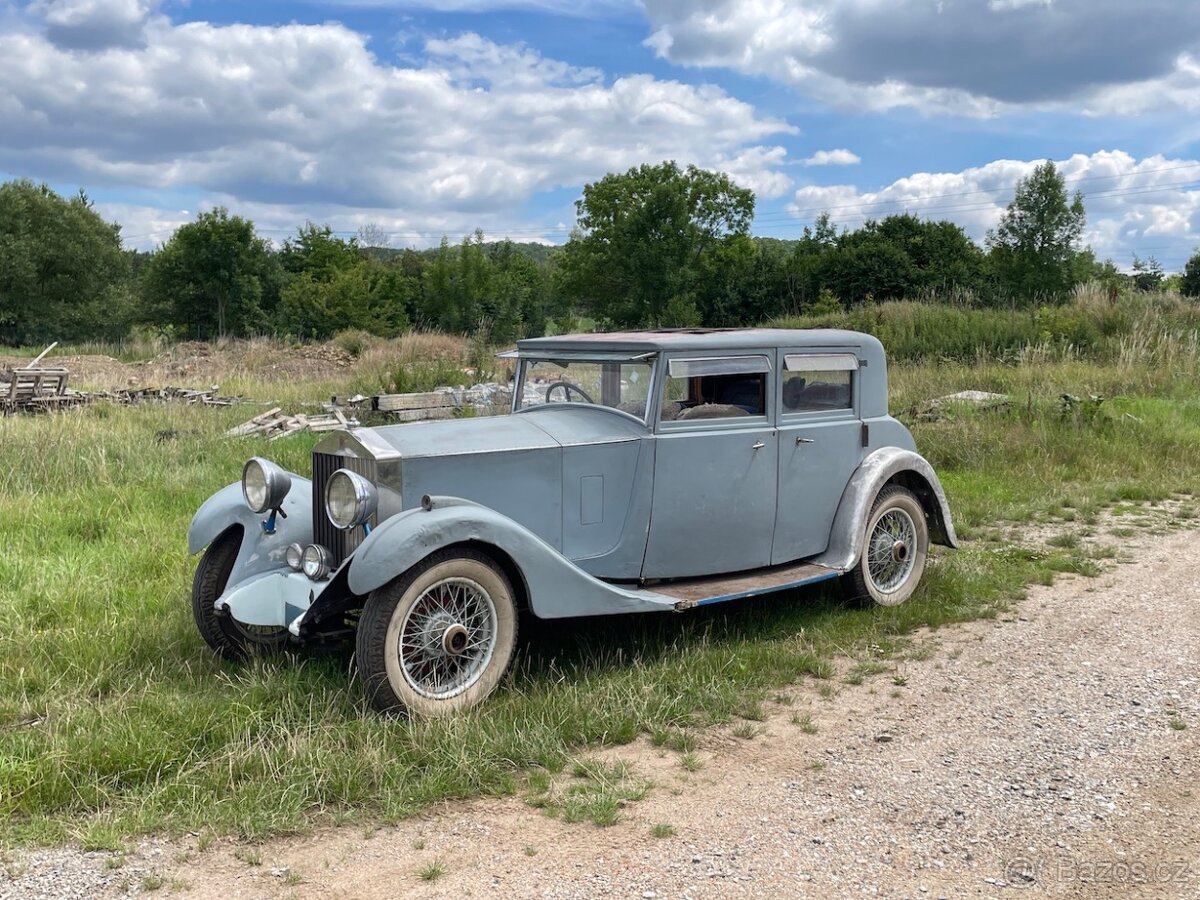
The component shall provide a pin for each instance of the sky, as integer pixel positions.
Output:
(425, 118)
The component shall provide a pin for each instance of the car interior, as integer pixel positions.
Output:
(717, 397)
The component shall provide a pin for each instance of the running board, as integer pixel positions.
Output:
(692, 592)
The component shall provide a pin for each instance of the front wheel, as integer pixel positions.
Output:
(232, 639)
(439, 638)
(895, 546)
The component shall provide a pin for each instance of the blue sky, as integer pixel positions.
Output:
(438, 117)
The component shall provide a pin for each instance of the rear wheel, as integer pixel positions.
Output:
(230, 638)
(439, 638)
(895, 547)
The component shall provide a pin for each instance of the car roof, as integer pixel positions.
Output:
(714, 339)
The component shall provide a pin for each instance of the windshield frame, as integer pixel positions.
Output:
(650, 359)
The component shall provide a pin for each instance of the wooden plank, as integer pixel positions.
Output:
(419, 415)
(37, 359)
(397, 402)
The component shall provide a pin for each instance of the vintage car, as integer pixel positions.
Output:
(637, 472)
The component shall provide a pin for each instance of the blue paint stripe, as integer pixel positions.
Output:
(768, 590)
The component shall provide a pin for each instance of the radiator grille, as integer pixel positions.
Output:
(339, 543)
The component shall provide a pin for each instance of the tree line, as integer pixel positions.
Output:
(658, 245)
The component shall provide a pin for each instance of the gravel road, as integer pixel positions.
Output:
(1050, 752)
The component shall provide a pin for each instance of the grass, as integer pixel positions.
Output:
(431, 871)
(115, 720)
(804, 722)
(596, 792)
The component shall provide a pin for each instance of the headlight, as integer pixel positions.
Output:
(264, 484)
(350, 499)
(316, 562)
(294, 555)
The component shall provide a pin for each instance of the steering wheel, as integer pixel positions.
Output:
(567, 388)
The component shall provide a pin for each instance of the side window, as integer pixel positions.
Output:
(715, 388)
(818, 381)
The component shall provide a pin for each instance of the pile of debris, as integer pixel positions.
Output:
(275, 424)
(200, 397)
(440, 403)
(37, 388)
(944, 407)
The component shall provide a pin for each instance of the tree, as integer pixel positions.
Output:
(373, 237)
(1190, 285)
(868, 271)
(636, 257)
(1034, 249)
(214, 278)
(368, 296)
(62, 270)
(316, 252)
(1148, 274)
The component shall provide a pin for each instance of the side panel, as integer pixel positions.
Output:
(817, 456)
(845, 541)
(606, 506)
(260, 552)
(525, 483)
(555, 587)
(714, 500)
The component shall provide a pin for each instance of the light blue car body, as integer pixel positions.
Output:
(590, 510)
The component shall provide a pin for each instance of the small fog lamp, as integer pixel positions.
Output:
(294, 556)
(316, 562)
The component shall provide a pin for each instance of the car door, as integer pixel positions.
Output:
(820, 446)
(715, 468)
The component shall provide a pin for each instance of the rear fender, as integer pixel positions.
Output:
(260, 552)
(554, 586)
(889, 464)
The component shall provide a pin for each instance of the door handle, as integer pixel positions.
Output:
(758, 446)
(802, 440)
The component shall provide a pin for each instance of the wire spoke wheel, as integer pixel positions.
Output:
(895, 547)
(438, 638)
(890, 550)
(447, 638)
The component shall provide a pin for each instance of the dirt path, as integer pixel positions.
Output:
(1033, 754)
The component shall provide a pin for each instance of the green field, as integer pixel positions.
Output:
(115, 719)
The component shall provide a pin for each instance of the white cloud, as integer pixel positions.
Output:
(307, 117)
(968, 57)
(1016, 4)
(840, 157)
(93, 24)
(579, 8)
(1151, 206)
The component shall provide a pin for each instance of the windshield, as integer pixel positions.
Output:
(618, 384)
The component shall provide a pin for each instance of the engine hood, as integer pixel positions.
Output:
(539, 428)
(550, 469)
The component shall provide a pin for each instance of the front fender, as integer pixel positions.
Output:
(880, 467)
(260, 552)
(555, 587)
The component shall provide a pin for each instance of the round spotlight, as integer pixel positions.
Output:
(316, 562)
(294, 556)
(264, 484)
(350, 499)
